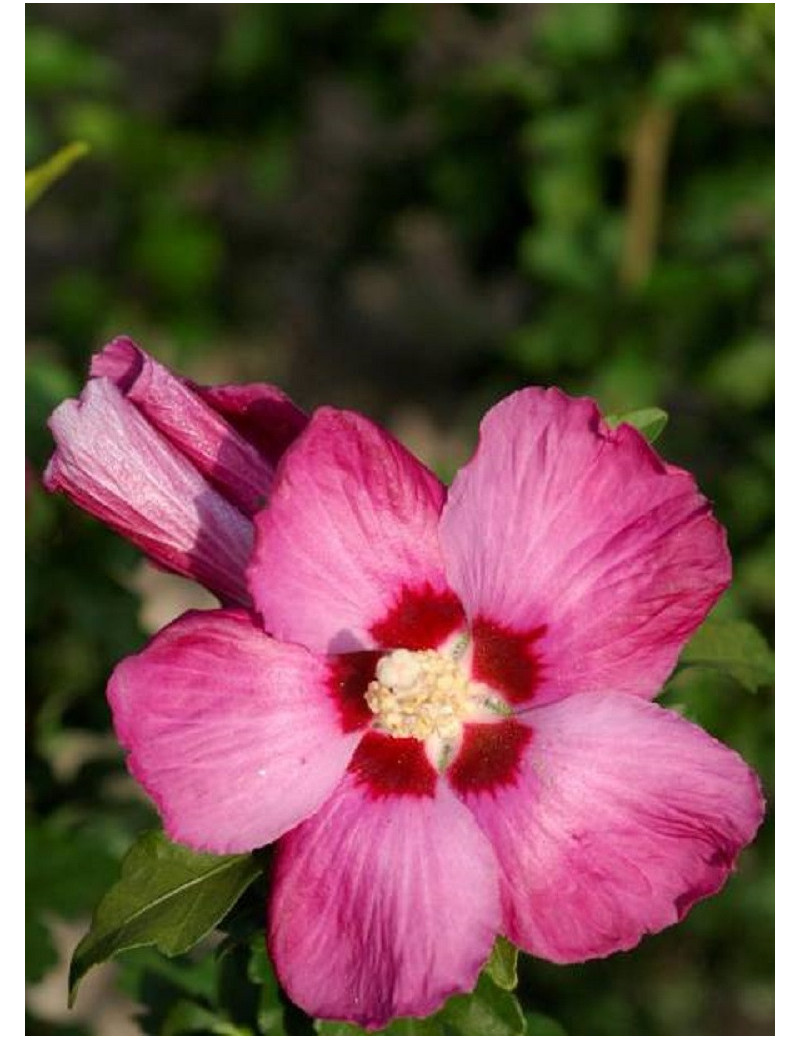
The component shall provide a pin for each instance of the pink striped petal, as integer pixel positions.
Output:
(587, 560)
(347, 552)
(385, 902)
(225, 458)
(112, 463)
(236, 737)
(614, 820)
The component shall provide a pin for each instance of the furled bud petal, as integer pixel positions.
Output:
(185, 416)
(112, 462)
(260, 412)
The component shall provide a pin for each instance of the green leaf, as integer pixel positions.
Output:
(400, 1027)
(55, 864)
(41, 177)
(541, 1025)
(237, 997)
(143, 969)
(40, 953)
(168, 897)
(734, 647)
(502, 964)
(650, 422)
(58, 884)
(270, 1007)
(487, 1011)
(36, 1026)
(157, 984)
(186, 1018)
(326, 1028)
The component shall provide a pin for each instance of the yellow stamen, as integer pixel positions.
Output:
(422, 694)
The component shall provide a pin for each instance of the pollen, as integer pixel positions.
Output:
(422, 694)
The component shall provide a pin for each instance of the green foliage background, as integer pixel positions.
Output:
(411, 210)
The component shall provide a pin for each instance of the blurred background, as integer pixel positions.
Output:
(410, 210)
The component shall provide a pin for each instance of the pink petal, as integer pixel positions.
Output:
(112, 463)
(382, 905)
(593, 559)
(347, 552)
(236, 737)
(617, 818)
(225, 458)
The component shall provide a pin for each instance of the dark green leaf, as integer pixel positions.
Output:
(502, 964)
(35, 1026)
(40, 953)
(186, 1018)
(237, 997)
(270, 1008)
(194, 977)
(157, 984)
(167, 896)
(650, 422)
(400, 1027)
(58, 884)
(56, 859)
(325, 1028)
(541, 1025)
(734, 647)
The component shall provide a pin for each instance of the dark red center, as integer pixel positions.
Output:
(393, 766)
(349, 677)
(489, 757)
(505, 659)
(490, 753)
(421, 619)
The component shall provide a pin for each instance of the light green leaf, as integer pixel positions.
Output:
(487, 1011)
(650, 422)
(41, 177)
(168, 897)
(502, 964)
(734, 647)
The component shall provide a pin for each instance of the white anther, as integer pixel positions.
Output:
(400, 670)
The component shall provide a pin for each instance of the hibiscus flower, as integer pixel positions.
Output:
(440, 707)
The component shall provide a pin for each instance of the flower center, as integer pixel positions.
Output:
(423, 694)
